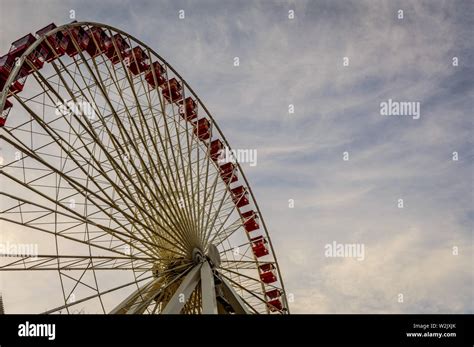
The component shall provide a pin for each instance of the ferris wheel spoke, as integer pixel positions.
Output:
(202, 207)
(243, 264)
(31, 112)
(193, 179)
(69, 238)
(124, 132)
(173, 207)
(221, 220)
(211, 220)
(106, 152)
(137, 152)
(141, 113)
(240, 274)
(207, 213)
(177, 171)
(197, 192)
(185, 131)
(35, 156)
(188, 195)
(171, 148)
(75, 215)
(223, 233)
(90, 297)
(74, 262)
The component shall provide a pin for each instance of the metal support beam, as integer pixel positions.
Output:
(233, 298)
(184, 291)
(146, 293)
(208, 290)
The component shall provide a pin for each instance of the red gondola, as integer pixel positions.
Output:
(268, 277)
(274, 293)
(250, 221)
(117, 48)
(275, 305)
(239, 196)
(172, 90)
(188, 110)
(46, 29)
(37, 57)
(160, 74)
(55, 45)
(7, 63)
(99, 41)
(138, 61)
(267, 267)
(216, 149)
(202, 129)
(21, 45)
(228, 173)
(81, 38)
(258, 246)
(267, 274)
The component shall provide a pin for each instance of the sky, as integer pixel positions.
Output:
(423, 251)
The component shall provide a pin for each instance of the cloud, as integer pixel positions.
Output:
(403, 265)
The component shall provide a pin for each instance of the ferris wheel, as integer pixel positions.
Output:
(112, 166)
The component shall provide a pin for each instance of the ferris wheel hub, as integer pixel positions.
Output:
(198, 256)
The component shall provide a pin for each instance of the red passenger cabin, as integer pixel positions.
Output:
(267, 273)
(36, 58)
(117, 48)
(273, 294)
(139, 61)
(275, 305)
(172, 90)
(160, 74)
(188, 110)
(54, 45)
(21, 45)
(228, 173)
(239, 196)
(250, 221)
(81, 38)
(258, 246)
(216, 149)
(7, 62)
(202, 129)
(99, 41)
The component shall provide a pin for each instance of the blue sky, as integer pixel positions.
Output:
(337, 109)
